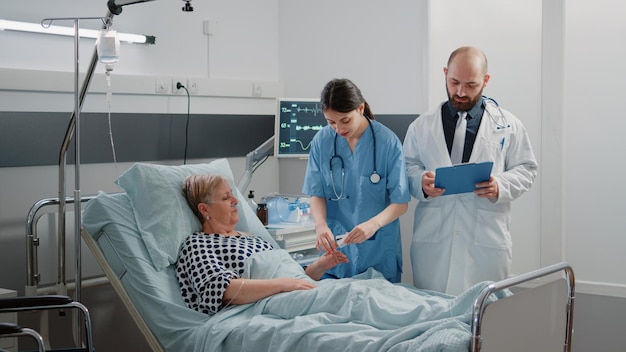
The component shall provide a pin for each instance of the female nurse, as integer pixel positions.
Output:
(356, 177)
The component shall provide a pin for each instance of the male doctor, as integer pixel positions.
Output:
(462, 239)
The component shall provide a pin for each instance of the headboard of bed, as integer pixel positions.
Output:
(164, 227)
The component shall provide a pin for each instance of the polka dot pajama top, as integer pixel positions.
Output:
(208, 262)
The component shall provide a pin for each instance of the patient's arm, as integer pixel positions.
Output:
(325, 262)
(242, 291)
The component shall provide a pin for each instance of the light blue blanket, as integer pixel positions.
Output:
(366, 313)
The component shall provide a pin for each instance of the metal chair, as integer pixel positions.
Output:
(13, 330)
(39, 303)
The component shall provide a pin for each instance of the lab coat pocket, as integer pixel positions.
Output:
(491, 150)
(492, 230)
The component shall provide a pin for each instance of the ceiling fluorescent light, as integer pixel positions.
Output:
(69, 31)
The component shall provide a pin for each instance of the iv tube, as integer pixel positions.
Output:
(108, 78)
(108, 46)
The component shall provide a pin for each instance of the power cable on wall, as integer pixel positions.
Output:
(179, 86)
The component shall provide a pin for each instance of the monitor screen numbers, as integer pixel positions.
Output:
(297, 121)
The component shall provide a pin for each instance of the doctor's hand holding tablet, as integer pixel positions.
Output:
(462, 178)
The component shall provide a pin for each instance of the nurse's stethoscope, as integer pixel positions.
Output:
(374, 177)
(500, 121)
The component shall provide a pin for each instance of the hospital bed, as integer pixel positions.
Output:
(135, 234)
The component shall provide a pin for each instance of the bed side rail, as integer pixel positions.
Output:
(115, 270)
(481, 301)
(32, 243)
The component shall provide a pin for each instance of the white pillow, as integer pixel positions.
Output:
(163, 217)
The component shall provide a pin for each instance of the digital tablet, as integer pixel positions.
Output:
(462, 178)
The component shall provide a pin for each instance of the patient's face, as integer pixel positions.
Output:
(224, 206)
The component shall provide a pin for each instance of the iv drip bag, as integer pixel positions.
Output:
(108, 46)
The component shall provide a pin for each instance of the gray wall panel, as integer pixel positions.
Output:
(35, 138)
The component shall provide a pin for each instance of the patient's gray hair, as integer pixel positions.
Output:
(200, 189)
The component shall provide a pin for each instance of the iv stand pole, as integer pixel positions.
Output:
(61, 286)
(74, 126)
(114, 8)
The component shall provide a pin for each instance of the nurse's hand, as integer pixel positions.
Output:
(324, 240)
(361, 232)
(487, 189)
(428, 185)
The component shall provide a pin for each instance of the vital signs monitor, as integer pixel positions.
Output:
(297, 121)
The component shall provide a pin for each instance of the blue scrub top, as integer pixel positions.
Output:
(364, 199)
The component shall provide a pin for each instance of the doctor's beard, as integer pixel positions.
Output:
(464, 106)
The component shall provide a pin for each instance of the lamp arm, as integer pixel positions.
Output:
(262, 151)
(115, 6)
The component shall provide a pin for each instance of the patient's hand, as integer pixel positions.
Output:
(324, 262)
(243, 291)
(293, 284)
(330, 260)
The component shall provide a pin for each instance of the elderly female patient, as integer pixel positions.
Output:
(211, 261)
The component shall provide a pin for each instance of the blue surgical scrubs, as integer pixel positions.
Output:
(361, 199)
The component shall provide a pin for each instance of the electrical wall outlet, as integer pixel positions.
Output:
(192, 86)
(257, 89)
(162, 85)
(175, 89)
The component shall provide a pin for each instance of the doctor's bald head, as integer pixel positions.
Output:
(466, 77)
(470, 53)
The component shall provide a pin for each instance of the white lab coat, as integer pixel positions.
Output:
(460, 240)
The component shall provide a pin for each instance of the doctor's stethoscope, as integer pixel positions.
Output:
(374, 177)
(501, 121)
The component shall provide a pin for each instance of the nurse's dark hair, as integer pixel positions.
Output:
(342, 95)
(201, 189)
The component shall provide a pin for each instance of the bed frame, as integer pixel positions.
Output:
(537, 317)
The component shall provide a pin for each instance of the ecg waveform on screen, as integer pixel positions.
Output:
(299, 122)
(305, 110)
(304, 146)
(296, 134)
(297, 109)
(306, 128)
